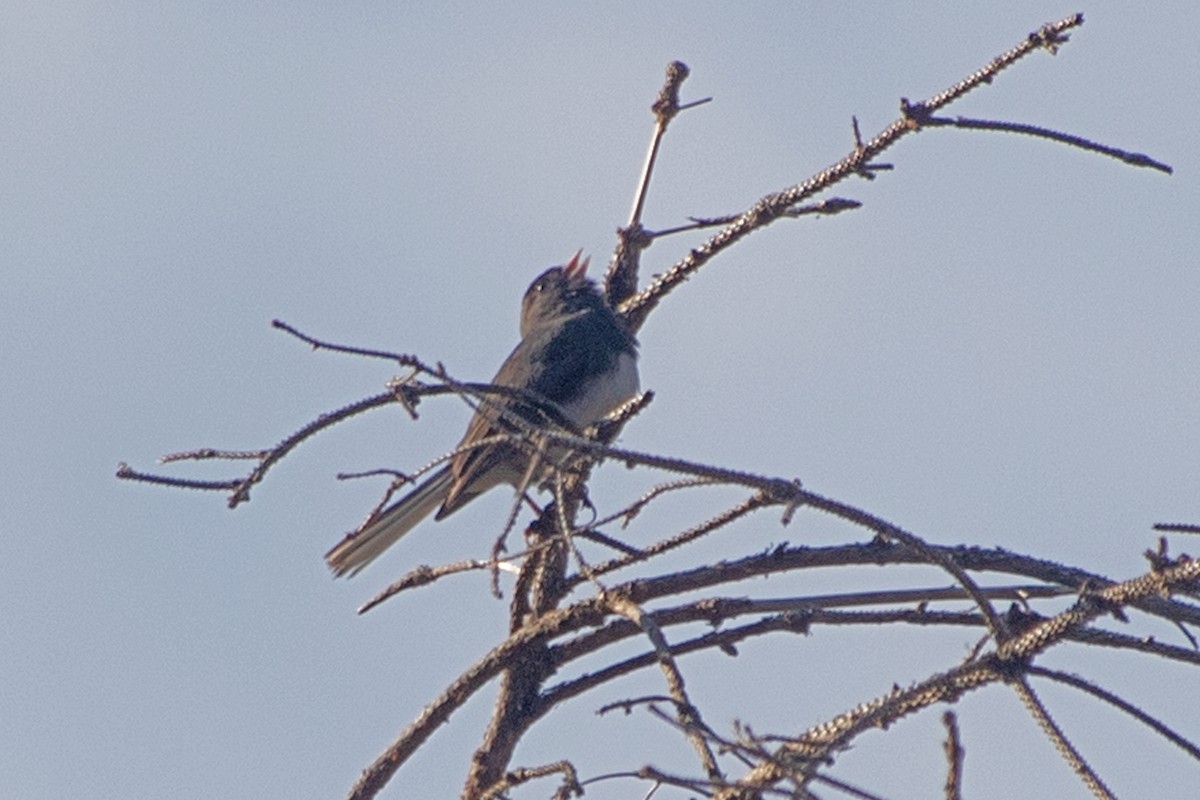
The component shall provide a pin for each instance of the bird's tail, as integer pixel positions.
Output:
(363, 546)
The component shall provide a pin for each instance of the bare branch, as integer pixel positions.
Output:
(621, 279)
(771, 207)
(1112, 699)
(688, 715)
(318, 344)
(209, 453)
(1176, 527)
(954, 757)
(128, 473)
(570, 780)
(936, 556)
(1072, 756)
(240, 487)
(424, 575)
(1133, 159)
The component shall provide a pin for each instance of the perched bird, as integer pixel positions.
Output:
(574, 351)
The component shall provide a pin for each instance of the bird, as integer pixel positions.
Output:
(575, 352)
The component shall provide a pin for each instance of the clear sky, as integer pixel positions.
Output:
(1001, 347)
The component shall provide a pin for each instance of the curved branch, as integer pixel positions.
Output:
(858, 162)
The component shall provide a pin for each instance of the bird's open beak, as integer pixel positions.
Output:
(576, 270)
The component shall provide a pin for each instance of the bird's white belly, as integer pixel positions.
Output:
(601, 395)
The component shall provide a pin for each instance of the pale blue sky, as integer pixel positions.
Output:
(1000, 348)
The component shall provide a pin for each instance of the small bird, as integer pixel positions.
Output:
(574, 351)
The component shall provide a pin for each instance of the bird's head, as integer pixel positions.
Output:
(559, 290)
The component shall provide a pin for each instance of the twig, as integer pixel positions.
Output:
(1132, 159)
(128, 473)
(753, 503)
(665, 108)
(954, 757)
(318, 344)
(570, 780)
(620, 281)
(829, 207)
(207, 453)
(1157, 583)
(424, 575)
(627, 514)
(810, 749)
(240, 487)
(688, 715)
(1176, 527)
(935, 556)
(1112, 699)
(1072, 756)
